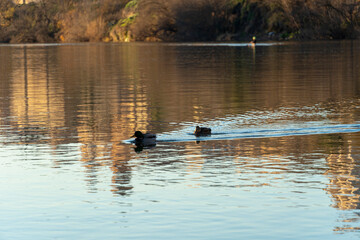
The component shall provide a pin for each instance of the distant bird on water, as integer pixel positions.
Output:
(202, 131)
(146, 139)
(253, 41)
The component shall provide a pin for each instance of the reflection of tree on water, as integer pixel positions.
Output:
(57, 100)
(26, 103)
(344, 176)
(121, 178)
(122, 171)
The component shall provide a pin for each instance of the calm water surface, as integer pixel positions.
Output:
(283, 161)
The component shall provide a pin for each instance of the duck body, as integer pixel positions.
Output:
(202, 131)
(144, 139)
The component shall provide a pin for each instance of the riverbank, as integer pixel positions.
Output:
(175, 20)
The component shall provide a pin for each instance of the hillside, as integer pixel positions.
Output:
(177, 20)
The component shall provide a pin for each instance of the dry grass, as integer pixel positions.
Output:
(176, 20)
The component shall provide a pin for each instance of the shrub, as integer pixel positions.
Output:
(181, 20)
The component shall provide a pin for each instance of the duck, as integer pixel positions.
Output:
(253, 41)
(202, 131)
(145, 139)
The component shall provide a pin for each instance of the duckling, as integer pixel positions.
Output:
(202, 131)
(144, 138)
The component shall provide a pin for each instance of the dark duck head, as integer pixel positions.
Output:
(138, 135)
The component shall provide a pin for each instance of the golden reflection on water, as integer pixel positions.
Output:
(149, 86)
(97, 95)
(344, 178)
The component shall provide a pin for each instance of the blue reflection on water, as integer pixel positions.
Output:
(186, 135)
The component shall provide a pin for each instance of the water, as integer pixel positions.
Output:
(282, 161)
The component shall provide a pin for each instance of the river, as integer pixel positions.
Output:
(282, 161)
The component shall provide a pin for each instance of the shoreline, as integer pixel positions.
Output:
(176, 21)
(229, 42)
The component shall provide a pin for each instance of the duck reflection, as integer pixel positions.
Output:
(140, 146)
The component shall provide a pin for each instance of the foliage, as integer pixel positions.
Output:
(154, 22)
(177, 20)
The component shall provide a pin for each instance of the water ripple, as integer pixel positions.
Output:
(186, 135)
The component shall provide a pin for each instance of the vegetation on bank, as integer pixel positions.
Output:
(177, 20)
